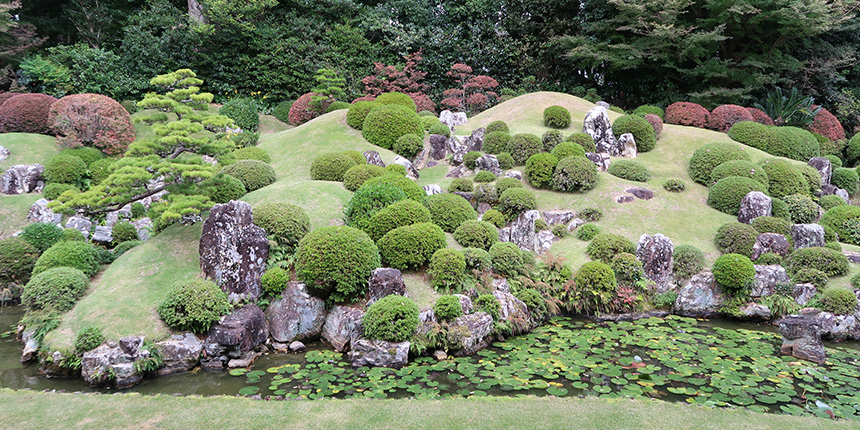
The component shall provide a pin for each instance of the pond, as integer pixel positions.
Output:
(716, 363)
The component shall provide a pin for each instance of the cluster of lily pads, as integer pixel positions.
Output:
(675, 358)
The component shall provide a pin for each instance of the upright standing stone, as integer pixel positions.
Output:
(295, 315)
(476, 140)
(824, 167)
(4, 153)
(343, 326)
(807, 235)
(656, 254)
(374, 158)
(523, 230)
(754, 205)
(438, 146)
(458, 147)
(702, 297)
(626, 146)
(599, 127)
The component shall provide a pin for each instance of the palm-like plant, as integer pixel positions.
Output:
(789, 109)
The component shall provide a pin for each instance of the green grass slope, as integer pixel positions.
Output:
(25, 149)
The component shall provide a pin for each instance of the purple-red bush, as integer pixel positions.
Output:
(301, 111)
(6, 96)
(724, 117)
(408, 80)
(25, 113)
(472, 93)
(91, 120)
(686, 113)
(655, 122)
(826, 124)
(760, 116)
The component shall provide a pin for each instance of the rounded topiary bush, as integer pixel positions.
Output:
(476, 234)
(336, 261)
(674, 185)
(410, 247)
(395, 98)
(368, 200)
(523, 146)
(726, 195)
(827, 125)
(77, 255)
(287, 224)
(27, 113)
(504, 184)
(385, 124)
(852, 151)
(447, 269)
(254, 174)
(393, 318)
(687, 260)
(495, 218)
(358, 112)
(243, 111)
(66, 169)
(497, 142)
(87, 339)
(556, 117)
(53, 190)
(656, 123)
(337, 106)
(408, 186)
(830, 202)
(507, 258)
(779, 209)
(408, 145)
(42, 235)
(402, 213)
(649, 109)
(302, 110)
(685, 113)
(540, 169)
(784, 178)
(753, 134)
(760, 116)
(627, 268)
(275, 280)
(836, 219)
(736, 238)
(515, 201)
(88, 154)
(810, 276)
(477, 260)
(91, 120)
(449, 210)
(723, 117)
(769, 224)
(595, 287)
(584, 140)
(17, 258)
(587, 232)
(282, 111)
(440, 129)
(463, 185)
(551, 138)
(709, 156)
(222, 188)
(574, 174)
(629, 170)
(734, 272)
(827, 260)
(447, 308)
(123, 231)
(428, 121)
(497, 125)
(506, 161)
(194, 305)
(846, 179)
(56, 289)
(331, 166)
(840, 301)
(252, 153)
(357, 175)
(469, 159)
(568, 149)
(642, 131)
(743, 168)
(604, 246)
(801, 208)
(795, 143)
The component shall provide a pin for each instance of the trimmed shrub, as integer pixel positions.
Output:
(463, 185)
(495, 218)
(395, 169)
(687, 261)
(827, 125)
(244, 139)
(399, 214)
(243, 111)
(709, 156)
(559, 231)
(285, 223)
(87, 339)
(194, 305)
(357, 175)
(556, 117)
(584, 140)
(504, 184)
(485, 192)
(439, 128)
(726, 195)
(801, 208)
(410, 247)
(574, 174)
(476, 234)
(65, 169)
(254, 174)
(795, 143)
(587, 232)
(469, 159)
(426, 113)
(827, 260)
(396, 98)
(222, 188)
(506, 160)
(336, 261)
(784, 179)
(91, 120)
(408, 145)
(723, 117)
(568, 149)
(540, 224)
(641, 130)
(301, 111)
(627, 268)
(77, 255)
(507, 259)
(17, 258)
(550, 139)
(477, 260)
(515, 201)
(27, 113)
(53, 190)
(428, 121)
(831, 201)
(590, 214)
(393, 318)
(89, 154)
(123, 231)
(649, 109)
(73, 234)
(834, 161)
(282, 111)
(368, 200)
(523, 146)
(595, 287)
(753, 134)
(685, 113)
(42, 235)
(385, 124)
(122, 247)
(358, 112)
(138, 210)
(760, 116)
(57, 289)
(769, 224)
(497, 142)
(734, 272)
(836, 246)
(540, 168)
(533, 300)
(674, 185)
(810, 276)
(447, 269)
(408, 186)
(331, 166)
(779, 209)
(743, 168)
(100, 170)
(769, 258)
(449, 210)
(846, 179)
(604, 246)
(497, 125)
(275, 280)
(736, 238)
(336, 105)
(252, 153)
(840, 301)
(629, 170)
(447, 308)
(656, 123)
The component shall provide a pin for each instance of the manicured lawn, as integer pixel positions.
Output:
(25, 149)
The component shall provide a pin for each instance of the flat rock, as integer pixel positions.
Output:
(237, 333)
(39, 212)
(853, 256)
(80, 223)
(379, 353)
(755, 312)
(22, 179)
(489, 163)
(767, 277)
(460, 171)
(641, 193)
(559, 217)
(295, 315)
(625, 199)
(246, 360)
(754, 205)
(297, 346)
(701, 297)
(516, 174)
(180, 353)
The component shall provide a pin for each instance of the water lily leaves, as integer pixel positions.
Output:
(249, 391)
(238, 372)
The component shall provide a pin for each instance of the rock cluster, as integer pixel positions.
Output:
(22, 178)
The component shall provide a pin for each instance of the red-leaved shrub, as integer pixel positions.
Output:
(408, 80)
(655, 122)
(6, 96)
(472, 93)
(301, 111)
(91, 120)
(826, 124)
(724, 117)
(686, 113)
(364, 99)
(25, 113)
(759, 116)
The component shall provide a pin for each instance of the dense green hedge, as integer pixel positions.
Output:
(846, 179)
(56, 289)
(449, 210)
(358, 111)
(497, 142)
(252, 153)
(497, 125)
(447, 269)
(402, 213)
(194, 305)
(568, 149)
(831, 262)
(524, 145)
(736, 238)
(337, 261)
(395, 98)
(629, 170)
(836, 219)
(476, 234)
(734, 272)
(604, 246)
(709, 156)
(575, 174)
(540, 168)
(65, 169)
(393, 318)
(77, 255)
(368, 200)
(515, 201)
(331, 166)
(507, 258)
(584, 140)
(17, 258)
(687, 260)
(254, 174)
(784, 178)
(447, 308)
(357, 175)
(243, 111)
(556, 117)
(286, 223)
(642, 131)
(743, 168)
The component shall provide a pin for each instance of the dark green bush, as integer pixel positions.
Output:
(449, 210)
(726, 195)
(834, 246)
(744, 168)
(836, 218)
(550, 139)
(490, 304)
(556, 117)
(222, 188)
(243, 111)
(357, 175)
(287, 224)
(506, 160)
(428, 121)
(87, 339)
(369, 199)
(627, 268)
(77, 255)
(485, 192)
(794, 143)
(252, 153)
(559, 231)
(477, 260)
(485, 176)
(395, 98)
(66, 169)
(385, 124)
(736, 238)
(357, 113)
(402, 213)
(497, 125)
(123, 231)
(42, 235)
(507, 259)
(469, 159)
(275, 280)
(584, 140)
(753, 134)
(410, 187)
(504, 184)
(840, 301)
(801, 208)
(194, 305)
(447, 269)
(410, 247)
(523, 146)
(831, 201)
(17, 258)
(337, 106)
(734, 272)
(586, 232)
(779, 209)
(827, 260)
(646, 109)
(769, 258)
(439, 128)
(629, 170)
(534, 301)
(813, 178)
(100, 170)
(337, 261)
(497, 142)
(356, 156)
(408, 145)
(254, 174)
(687, 261)
(639, 127)
(461, 184)
(447, 308)
(604, 246)
(835, 161)
(515, 201)
(709, 156)
(282, 111)
(476, 234)
(123, 247)
(87, 153)
(846, 179)
(138, 210)
(540, 224)
(331, 166)
(244, 139)
(784, 178)
(674, 185)
(574, 174)
(393, 318)
(595, 288)
(495, 218)
(540, 168)
(73, 234)
(810, 276)
(590, 214)
(770, 224)
(568, 149)
(57, 288)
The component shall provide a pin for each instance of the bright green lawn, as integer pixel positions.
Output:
(25, 149)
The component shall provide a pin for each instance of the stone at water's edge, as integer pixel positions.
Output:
(512, 309)
(385, 281)
(807, 235)
(770, 242)
(755, 312)
(22, 178)
(39, 212)
(599, 127)
(374, 158)
(701, 297)
(754, 205)
(824, 167)
(233, 251)
(478, 326)
(657, 256)
(179, 353)
(234, 335)
(379, 353)
(113, 363)
(801, 338)
(343, 326)
(295, 315)
(767, 277)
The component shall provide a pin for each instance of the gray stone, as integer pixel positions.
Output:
(852, 256)
(543, 241)
(512, 309)
(626, 146)
(601, 160)
(801, 338)
(807, 235)
(656, 254)
(22, 178)
(440, 355)
(641, 193)
(297, 346)
(505, 234)
(770, 242)
(4, 153)
(754, 205)
(458, 146)
(432, 189)
(575, 223)
(603, 104)
(233, 251)
(625, 199)
(802, 293)
(523, 230)
(489, 163)
(31, 346)
(342, 326)
(236, 334)
(460, 171)
(102, 233)
(599, 127)
(755, 312)
(144, 227)
(476, 139)
(411, 171)
(836, 327)
(465, 303)
(39, 212)
(824, 167)
(180, 353)
(422, 159)
(113, 364)
(295, 315)
(80, 223)
(438, 146)
(470, 332)
(469, 197)
(113, 217)
(516, 174)
(767, 277)
(826, 190)
(385, 281)
(559, 217)
(374, 158)
(452, 119)
(702, 297)
(844, 194)
(379, 353)
(483, 207)
(246, 360)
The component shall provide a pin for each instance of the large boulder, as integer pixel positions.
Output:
(807, 235)
(21, 179)
(179, 353)
(836, 327)
(601, 160)
(385, 281)
(475, 141)
(844, 194)
(411, 171)
(431, 189)
(470, 332)
(233, 251)
(767, 277)
(235, 335)
(343, 326)
(599, 127)
(512, 310)
(374, 158)
(103, 234)
(770, 242)
(438, 146)
(802, 293)
(113, 217)
(295, 315)
(656, 254)
(39, 212)
(460, 171)
(452, 119)
(522, 230)
(543, 241)
(801, 338)
(702, 297)
(754, 205)
(379, 353)
(458, 146)
(754, 312)
(489, 163)
(113, 363)
(824, 167)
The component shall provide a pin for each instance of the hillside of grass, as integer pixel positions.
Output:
(25, 148)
